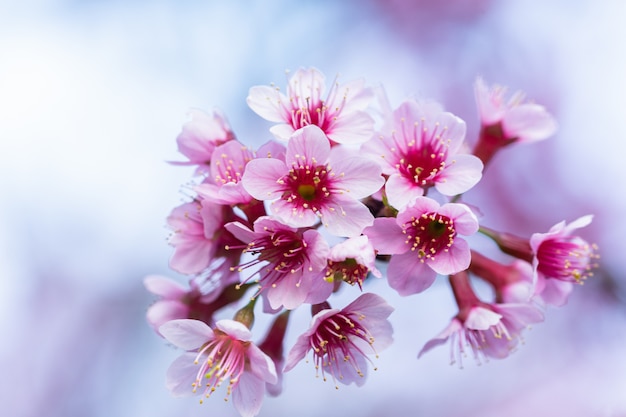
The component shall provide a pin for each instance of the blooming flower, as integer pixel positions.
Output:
(227, 167)
(341, 115)
(341, 339)
(200, 136)
(560, 255)
(199, 239)
(424, 241)
(224, 353)
(419, 150)
(289, 260)
(351, 261)
(505, 122)
(489, 330)
(315, 183)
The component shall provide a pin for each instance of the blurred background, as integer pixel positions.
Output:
(94, 93)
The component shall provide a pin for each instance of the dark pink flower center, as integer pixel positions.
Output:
(333, 343)
(307, 186)
(429, 234)
(284, 251)
(223, 358)
(310, 112)
(422, 164)
(568, 259)
(348, 270)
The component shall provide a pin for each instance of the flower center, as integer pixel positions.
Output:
(222, 358)
(429, 234)
(348, 270)
(566, 260)
(334, 344)
(422, 165)
(308, 186)
(284, 251)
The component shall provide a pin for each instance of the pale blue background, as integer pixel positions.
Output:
(93, 94)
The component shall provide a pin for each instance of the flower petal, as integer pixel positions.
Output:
(187, 334)
(407, 275)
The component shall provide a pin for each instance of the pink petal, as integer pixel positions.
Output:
(529, 122)
(234, 329)
(181, 375)
(465, 221)
(248, 394)
(407, 275)
(164, 287)
(308, 145)
(386, 236)
(371, 305)
(267, 102)
(260, 178)
(460, 176)
(293, 216)
(359, 176)
(261, 364)
(191, 256)
(346, 217)
(166, 310)
(297, 352)
(454, 326)
(352, 128)
(401, 191)
(282, 131)
(457, 258)
(187, 334)
(481, 318)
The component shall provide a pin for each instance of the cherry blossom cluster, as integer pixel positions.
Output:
(349, 189)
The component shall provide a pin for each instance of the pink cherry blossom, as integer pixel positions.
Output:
(421, 149)
(200, 136)
(424, 241)
(288, 261)
(315, 183)
(489, 330)
(228, 163)
(199, 239)
(222, 354)
(352, 260)
(561, 255)
(519, 120)
(341, 115)
(504, 122)
(342, 339)
(199, 301)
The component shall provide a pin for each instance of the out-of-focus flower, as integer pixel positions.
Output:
(351, 261)
(315, 183)
(273, 346)
(199, 239)
(489, 330)
(341, 115)
(504, 122)
(341, 339)
(557, 255)
(178, 302)
(424, 241)
(290, 261)
(225, 353)
(419, 150)
(200, 136)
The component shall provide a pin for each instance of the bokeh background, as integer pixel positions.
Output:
(93, 94)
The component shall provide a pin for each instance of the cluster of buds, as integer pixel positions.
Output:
(336, 198)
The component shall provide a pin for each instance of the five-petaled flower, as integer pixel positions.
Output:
(289, 261)
(342, 339)
(341, 115)
(419, 150)
(223, 354)
(200, 136)
(489, 330)
(424, 241)
(315, 183)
